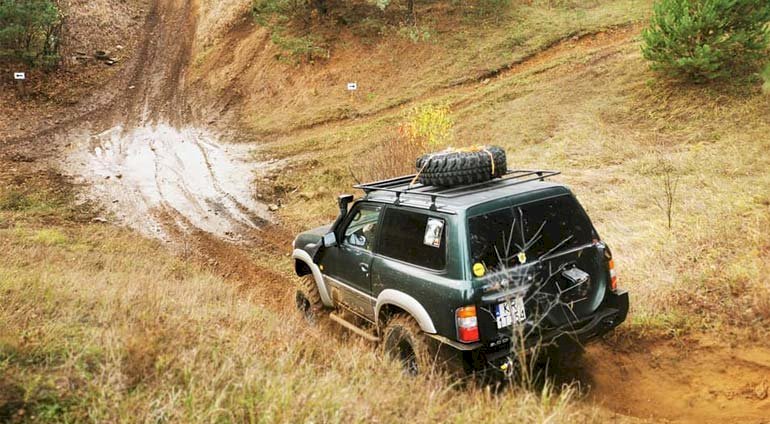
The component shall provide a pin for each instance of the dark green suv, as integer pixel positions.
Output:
(485, 269)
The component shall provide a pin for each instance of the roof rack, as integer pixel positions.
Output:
(402, 185)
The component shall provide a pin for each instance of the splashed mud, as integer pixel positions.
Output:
(144, 171)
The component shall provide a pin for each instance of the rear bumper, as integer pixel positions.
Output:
(612, 312)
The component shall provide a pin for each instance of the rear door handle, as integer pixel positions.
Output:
(364, 267)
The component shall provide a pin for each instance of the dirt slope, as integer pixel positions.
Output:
(146, 159)
(684, 381)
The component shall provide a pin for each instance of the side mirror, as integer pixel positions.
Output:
(330, 240)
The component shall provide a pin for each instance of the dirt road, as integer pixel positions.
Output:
(160, 168)
(146, 161)
(695, 380)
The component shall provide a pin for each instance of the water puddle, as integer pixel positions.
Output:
(145, 173)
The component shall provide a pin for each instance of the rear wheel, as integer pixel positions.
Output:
(404, 340)
(308, 299)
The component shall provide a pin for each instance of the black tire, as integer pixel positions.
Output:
(404, 340)
(308, 299)
(449, 169)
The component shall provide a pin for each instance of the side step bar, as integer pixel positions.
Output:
(354, 328)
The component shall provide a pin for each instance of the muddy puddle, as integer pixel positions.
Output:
(146, 175)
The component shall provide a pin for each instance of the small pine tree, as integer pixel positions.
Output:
(30, 30)
(702, 40)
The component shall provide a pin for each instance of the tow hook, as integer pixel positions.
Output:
(506, 367)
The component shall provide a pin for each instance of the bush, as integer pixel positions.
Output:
(299, 49)
(273, 12)
(424, 129)
(281, 18)
(30, 30)
(702, 40)
(430, 124)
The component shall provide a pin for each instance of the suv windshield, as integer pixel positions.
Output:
(534, 229)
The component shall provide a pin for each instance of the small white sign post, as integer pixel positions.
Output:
(352, 86)
(20, 77)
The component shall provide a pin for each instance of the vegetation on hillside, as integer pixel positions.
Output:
(303, 28)
(705, 40)
(394, 72)
(30, 31)
(423, 129)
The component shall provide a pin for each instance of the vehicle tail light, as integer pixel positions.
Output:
(467, 324)
(613, 276)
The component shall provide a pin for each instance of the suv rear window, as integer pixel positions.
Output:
(414, 237)
(537, 229)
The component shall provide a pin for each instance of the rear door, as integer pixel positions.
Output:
(548, 247)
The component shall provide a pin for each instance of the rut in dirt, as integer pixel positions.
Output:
(148, 160)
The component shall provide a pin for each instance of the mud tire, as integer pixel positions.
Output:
(461, 168)
(308, 299)
(403, 340)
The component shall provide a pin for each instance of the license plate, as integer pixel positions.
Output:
(511, 312)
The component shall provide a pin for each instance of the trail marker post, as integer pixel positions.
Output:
(20, 77)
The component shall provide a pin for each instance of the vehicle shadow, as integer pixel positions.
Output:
(555, 367)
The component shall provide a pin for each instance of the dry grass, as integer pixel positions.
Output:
(102, 326)
(422, 129)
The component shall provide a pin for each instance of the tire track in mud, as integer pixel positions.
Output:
(138, 171)
(152, 157)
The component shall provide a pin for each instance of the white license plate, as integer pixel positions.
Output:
(507, 315)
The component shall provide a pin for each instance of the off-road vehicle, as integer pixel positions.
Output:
(482, 268)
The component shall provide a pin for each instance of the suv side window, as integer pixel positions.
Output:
(414, 237)
(362, 227)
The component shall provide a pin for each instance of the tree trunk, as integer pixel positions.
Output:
(320, 6)
(410, 8)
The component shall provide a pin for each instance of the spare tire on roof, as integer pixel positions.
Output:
(461, 167)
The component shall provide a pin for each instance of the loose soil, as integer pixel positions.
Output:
(684, 381)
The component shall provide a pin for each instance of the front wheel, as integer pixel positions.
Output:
(308, 299)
